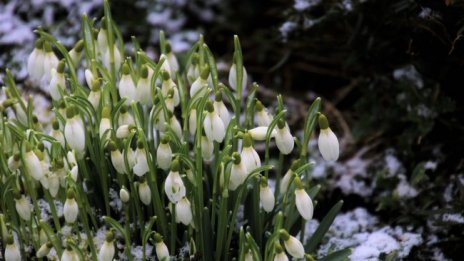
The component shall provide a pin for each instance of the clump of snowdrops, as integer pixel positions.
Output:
(176, 143)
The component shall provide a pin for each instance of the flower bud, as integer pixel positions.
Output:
(44, 250)
(74, 131)
(184, 211)
(141, 162)
(233, 77)
(292, 245)
(213, 125)
(161, 249)
(249, 155)
(35, 61)
(125, 118)
(165, 65)
(123, 131)
(14, 162)
(266, 195)
(70, 209)
(303, 202)
(76, 52)
(328, 142)
(107, 58)
(284, 139)
(69, 254)
(124, 195)
(144, 93)
(89, 78)
(259, 133)
(107, 250)
(280, 254)
(33, 165)
(172, 60)
(117, 158)
(50, 61)
(57, 82)
(201, 83)
(238, 172)
(249, 255)
(174, 186)
(262, 116)
(164, 154)
(53, 184)
(193, 122)
(221, 109)
(105, 124)
(126, 85)
(23, 207)
(95, 95)
(57, 133)
(145, 193)
(207, 148)
(11, 250)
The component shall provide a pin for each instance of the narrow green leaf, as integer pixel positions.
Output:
(323, 227)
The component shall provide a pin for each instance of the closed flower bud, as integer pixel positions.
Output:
(102, 39)
(284, 139)
(141, 163)
(89, 78)
(174, 186)
(280, 254)
(44, 250)
(207, 148)
(76, 52)
(292, 245)
(193, 71)
(21, 115)
(172, 60)
(184, 211)
(192, 122)
(124, 131)
(69, 255)
(57, 82)
(144, 93)
(221, 109)
(107, 250)
(124, 195)
(262, 116)
(249, 155)
(95, 95)
(303, 202)
(165, 65)
(117, 58)
(259, 133)
(266, 196)
(70, 209)
(23, 207)
(74, 172)
(33, 165)
(201, 83)
(105, 123)
(164, 154)
(161, 249)
(238, 172)
(74, 131)
(145, 193)
(57, 133)
(233, 77)
(117, 158)
(285, 182)
(50, 61)
(328, 142)
(11, 250)
(125, 118)
(14, 161)
(53, 184)
(175, 126)
(126, 85)
(35, 61)
(213, 125)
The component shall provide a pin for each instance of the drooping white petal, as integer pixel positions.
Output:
(192, 122)
(285, 181)
(266, 197)
(174, 187)
(127, 89)
(70, 210)
(74, 133)
(207, 148)
(281, 257)
(259, 133)
(12, 253)
(141, 165)
(118, 161)
(222, 111)
(162, 251)
(35, 64)
(214, 127)
(284, 140)
(250, 158)
(184, 211)
(23, 207)
(57, 84)
(304, 204)
(33, 165)
(233, 77)
(105, 125)
(328, 145)
(145, 193)
(164, 156)
(238, 174)
(294, 247)
(198, 85)
(106, 252)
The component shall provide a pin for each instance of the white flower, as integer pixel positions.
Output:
(69, 255)
(23, 207)
(238, 172)
(200, 84)
(192, 122)
(76, 52)
(249, 256)
(14, 162)
(57, 82)
(328, 142)
(259, 133)
(105, 124)
(70, 209)
(144, 95)
(233, 77)
(161, 249)
(107, 250)
(125, 118)
(145, 193)
(164, 154)
(266, 196)
(124, 195)
(49, 61)
(44, 250)
(222, 111)
(102, 39)
(117, 159)
(193, 71)
(35, 62)
(56, 133)
(74, 131)
(11, 250)
(165, 66)
(213, 125)
(89, 78)
(174, 186)
(281, 257)
(183, 211)
(207, 148)
(33, 165)
(249, 155)
(141, 165)
(175, 126)
(124, 131)
(292, 245)
(284, 139)
(53, 184)
(304, 204)
(285, 181)
(107, 58)
(262, 116)
(126, 85)
(172, 60)
(94, 96)
(74, 172)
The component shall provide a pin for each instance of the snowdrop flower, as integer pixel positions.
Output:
(107, 250)
(21, 115)
(144, 193)
(292, 245)
(23, 207)
(124, 195)
(207, 148)
(280, 254)
(193, 71)
(161, 249)
(233, 77)
(221, 109)
(284, 139)
(14, 162)
(57, 133)
(126, 85)
(165, 65)
(76, 52)
(248, 255)
(285, 181)
(201, 83)
(116, 158)
(74, 172)
(183, 211)
(33, 165)
(57, 82)
(44, 250)
(238, 172)
(167, 85)
(95, 94)
(164, 153)
(193, 121)
(213, 125)
(266, 196)
(117, 58)
(172, 60)
(74, 131)
(50, 61)
(89, 78)
(249, 155)
(141, 165)
(303, 202)
(35, 61)
(125, 118)
(174, 186)
(102, 39)
(123, 131)
(69, 254)
(105, 123)
(262, 116)
(11, 250)
(175, 125)
(259, 133)
(53, 184)
(70, 209)
(328, 142)
(189, 174)
(144, 94)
